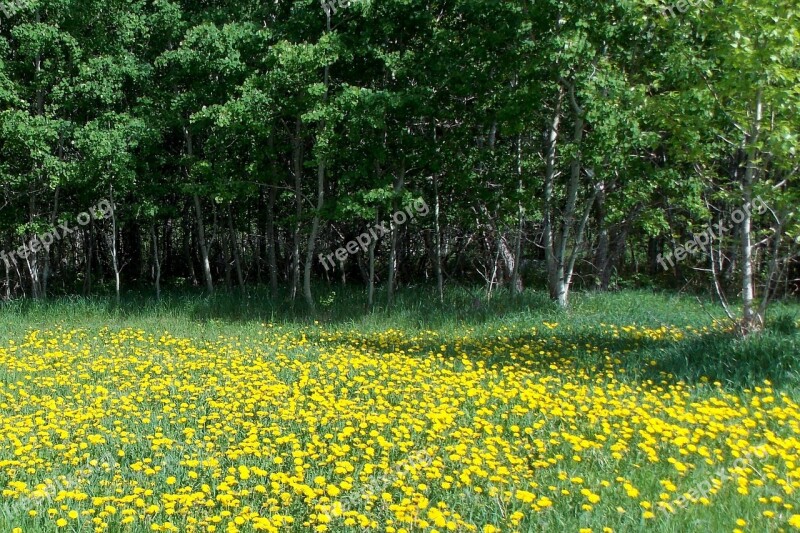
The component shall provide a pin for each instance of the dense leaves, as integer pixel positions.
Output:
(558, 143)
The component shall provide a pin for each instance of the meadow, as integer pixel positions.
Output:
(631, 411)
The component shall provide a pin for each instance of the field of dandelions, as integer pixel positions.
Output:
(530, 425)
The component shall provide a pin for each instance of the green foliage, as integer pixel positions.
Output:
(241, 102)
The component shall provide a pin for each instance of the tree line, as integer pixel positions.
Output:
(556, 143)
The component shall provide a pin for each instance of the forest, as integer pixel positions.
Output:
(549, 145)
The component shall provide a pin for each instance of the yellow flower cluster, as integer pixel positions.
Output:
(321, 430)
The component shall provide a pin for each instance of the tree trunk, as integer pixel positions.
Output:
(509, 261)
(751, 319)
(371, 289)
(559, 266)
(156, 262)
(201, 231)
(399, 183)
(32, 259)
(312, 238)
(237, 264)
(579, 238)
(260, 247)
(373, 244)
(189, 245)
(437, 240)
(297, 150)
(33, 271)
(601, 261)
(555, 279)
(89, 247)
(113, 246)
(53, 219)
(568, 223)
(226, 262)
(273, 264)
(516, 280)
(8, 281)
(201, 242)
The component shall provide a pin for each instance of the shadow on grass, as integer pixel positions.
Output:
(735, 362)
(717, 356)
(414, 307)
(501, 325)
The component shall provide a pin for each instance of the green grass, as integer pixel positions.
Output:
(770, 355)
(604, 342)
